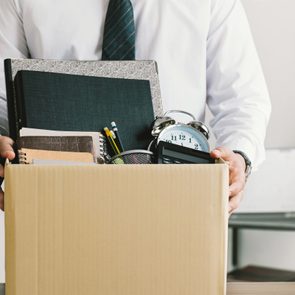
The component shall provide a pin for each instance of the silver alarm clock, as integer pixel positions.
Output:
(193, 135)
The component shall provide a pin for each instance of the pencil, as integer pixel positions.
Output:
(111, 140)
(116, 131)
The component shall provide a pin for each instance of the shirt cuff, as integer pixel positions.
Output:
(255, 152)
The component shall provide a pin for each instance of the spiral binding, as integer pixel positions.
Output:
(22, 156)
(101, 158)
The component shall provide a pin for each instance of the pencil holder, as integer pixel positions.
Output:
(133, 157)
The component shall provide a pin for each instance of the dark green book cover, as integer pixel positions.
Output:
(83, 103)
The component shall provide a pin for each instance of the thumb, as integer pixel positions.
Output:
(222, 152)
(6, 149)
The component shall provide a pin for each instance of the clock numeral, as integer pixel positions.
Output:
(182, 137)
(173, 137)
(169, 141)
(190, 140)
(197, 146)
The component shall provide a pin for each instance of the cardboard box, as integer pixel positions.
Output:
(116, 229)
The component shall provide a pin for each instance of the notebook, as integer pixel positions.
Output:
(141, 70)
(73, 142)
(34, 156)
(74, 102)
(57, 143)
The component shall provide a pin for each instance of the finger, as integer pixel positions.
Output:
(6, 149)
(234, 202)
(235, 188)
(216, 154)
(222, 152)
(237, 182)
(1, 200)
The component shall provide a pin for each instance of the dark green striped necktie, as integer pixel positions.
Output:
(119, 31)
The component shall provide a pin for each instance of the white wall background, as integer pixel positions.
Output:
(273, 26)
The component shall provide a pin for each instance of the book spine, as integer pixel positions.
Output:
(11, 100)
(19, 99)
(11, 104)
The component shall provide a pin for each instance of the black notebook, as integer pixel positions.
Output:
(82, 103)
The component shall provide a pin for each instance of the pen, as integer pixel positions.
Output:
(115, 129)
(113, 135)
(111, 140)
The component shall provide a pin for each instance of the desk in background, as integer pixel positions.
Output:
(261, 288)
(259, 221)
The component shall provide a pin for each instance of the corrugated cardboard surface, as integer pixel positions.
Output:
(116, 229)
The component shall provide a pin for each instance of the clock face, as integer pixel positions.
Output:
(184, 135)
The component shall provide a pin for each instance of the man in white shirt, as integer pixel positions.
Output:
(204, 50)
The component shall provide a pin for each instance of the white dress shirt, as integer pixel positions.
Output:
(204, 50)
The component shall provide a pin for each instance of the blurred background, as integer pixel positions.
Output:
(272, 188)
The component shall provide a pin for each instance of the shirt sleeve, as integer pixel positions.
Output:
(12, 45)
(237, 94)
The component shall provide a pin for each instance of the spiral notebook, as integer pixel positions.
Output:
(37, 146)
(34, 156)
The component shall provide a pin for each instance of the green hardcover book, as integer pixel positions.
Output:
(83, 103)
